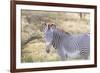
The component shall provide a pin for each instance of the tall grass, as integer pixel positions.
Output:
(32, 41)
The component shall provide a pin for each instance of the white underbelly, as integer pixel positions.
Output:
(71, 54)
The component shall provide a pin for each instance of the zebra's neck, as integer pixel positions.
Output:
(58, 37)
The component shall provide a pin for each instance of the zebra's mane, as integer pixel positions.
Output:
(68, 33)
(63, 31)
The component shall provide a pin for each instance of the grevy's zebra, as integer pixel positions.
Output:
(67, 45)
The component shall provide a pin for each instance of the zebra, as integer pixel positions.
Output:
(66, 44)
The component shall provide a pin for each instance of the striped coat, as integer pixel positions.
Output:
(67, 45)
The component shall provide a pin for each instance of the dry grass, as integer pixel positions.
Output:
(35, 52)
(33, 45)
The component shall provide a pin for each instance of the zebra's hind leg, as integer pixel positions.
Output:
(84, 53)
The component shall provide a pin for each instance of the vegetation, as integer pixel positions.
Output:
(32, 41)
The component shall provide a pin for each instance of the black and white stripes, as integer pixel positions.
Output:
(67, 44)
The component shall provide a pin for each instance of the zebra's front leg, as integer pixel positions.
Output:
(61, 54)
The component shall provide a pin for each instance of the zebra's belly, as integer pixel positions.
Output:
(71, 54)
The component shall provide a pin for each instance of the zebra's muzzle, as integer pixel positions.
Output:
(47, 50)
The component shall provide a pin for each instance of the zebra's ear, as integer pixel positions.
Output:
(44, 24)
(53, 25)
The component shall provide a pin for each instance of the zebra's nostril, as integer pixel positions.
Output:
(47, 50)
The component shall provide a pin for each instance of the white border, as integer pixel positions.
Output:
(50, 64)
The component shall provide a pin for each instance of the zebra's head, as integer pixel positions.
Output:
(49, 28)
